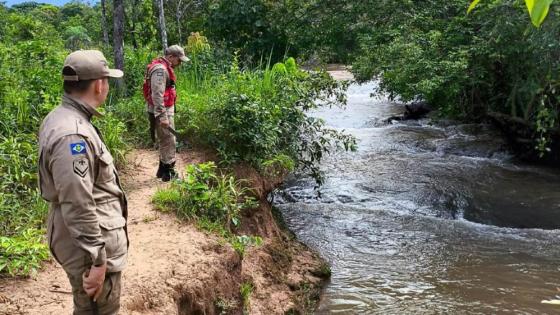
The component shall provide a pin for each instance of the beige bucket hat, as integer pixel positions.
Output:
(89, 65)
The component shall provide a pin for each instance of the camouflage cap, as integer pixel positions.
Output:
(89, 65)
(176, 50)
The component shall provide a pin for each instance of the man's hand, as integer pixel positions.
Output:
(93, 280)
(164, 122)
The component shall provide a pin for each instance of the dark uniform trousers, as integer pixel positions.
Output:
(109, 301)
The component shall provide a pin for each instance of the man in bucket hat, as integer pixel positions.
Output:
(88, 209)
(160, 95)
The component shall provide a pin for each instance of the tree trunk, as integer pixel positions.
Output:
(179, 11)
(118, 38)
(161, 24)
(178, 17)
(104, 24)
(133, 20)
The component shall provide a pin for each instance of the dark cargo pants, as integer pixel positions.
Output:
(109, 301)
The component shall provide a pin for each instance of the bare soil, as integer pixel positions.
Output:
(174, 268)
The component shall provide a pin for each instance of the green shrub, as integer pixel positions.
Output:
(212, 200)
(203, 193)
(113, 131)
(259, 116)
(20, 204)
(136, 60)
(31, 56)
(241, 242)
(22, 255)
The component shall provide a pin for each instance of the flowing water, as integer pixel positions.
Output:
(428, 219)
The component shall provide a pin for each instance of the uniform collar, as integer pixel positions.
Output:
(81, 106)
(167, 61)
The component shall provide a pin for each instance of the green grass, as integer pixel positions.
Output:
(165, 199)
(21, 255)
(246, 289)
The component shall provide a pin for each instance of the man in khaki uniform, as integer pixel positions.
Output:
(88, 209)
(160, 94)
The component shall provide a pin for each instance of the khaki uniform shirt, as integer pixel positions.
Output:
(88, 208)
(159, 79)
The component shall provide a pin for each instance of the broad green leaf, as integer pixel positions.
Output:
(473, 4)
(538, 10)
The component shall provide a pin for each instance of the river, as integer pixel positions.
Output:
(427, 218)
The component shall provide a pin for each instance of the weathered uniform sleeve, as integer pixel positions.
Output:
(158, 81)
(72, 164)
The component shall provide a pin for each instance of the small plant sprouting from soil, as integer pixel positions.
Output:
(246, 289)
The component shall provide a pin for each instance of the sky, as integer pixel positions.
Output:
(55, 2)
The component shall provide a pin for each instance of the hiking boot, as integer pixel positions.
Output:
(169, 172)
(159, 173)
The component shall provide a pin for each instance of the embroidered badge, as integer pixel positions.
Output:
(78, 148)
(81, 167)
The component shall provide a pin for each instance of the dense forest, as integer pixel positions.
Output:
(244, 93)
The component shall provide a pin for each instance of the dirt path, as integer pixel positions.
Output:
(175, 268)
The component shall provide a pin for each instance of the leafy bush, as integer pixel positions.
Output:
(22, 255)
(247, 26)
(214, 201)
(77, 37)
(260, 116)
(31, 51)
(205, 194)
(112, 129)
(136, 60)
(20, 204)
(206, 60)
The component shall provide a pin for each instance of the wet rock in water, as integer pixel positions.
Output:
(415, 110)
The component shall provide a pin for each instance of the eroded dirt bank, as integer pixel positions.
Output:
(174, 268)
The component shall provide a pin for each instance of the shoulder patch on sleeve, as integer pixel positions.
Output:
(81, 167)
(78, 148)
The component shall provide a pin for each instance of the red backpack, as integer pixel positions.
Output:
(170, 94)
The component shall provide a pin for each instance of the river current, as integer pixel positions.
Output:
(427, 218)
